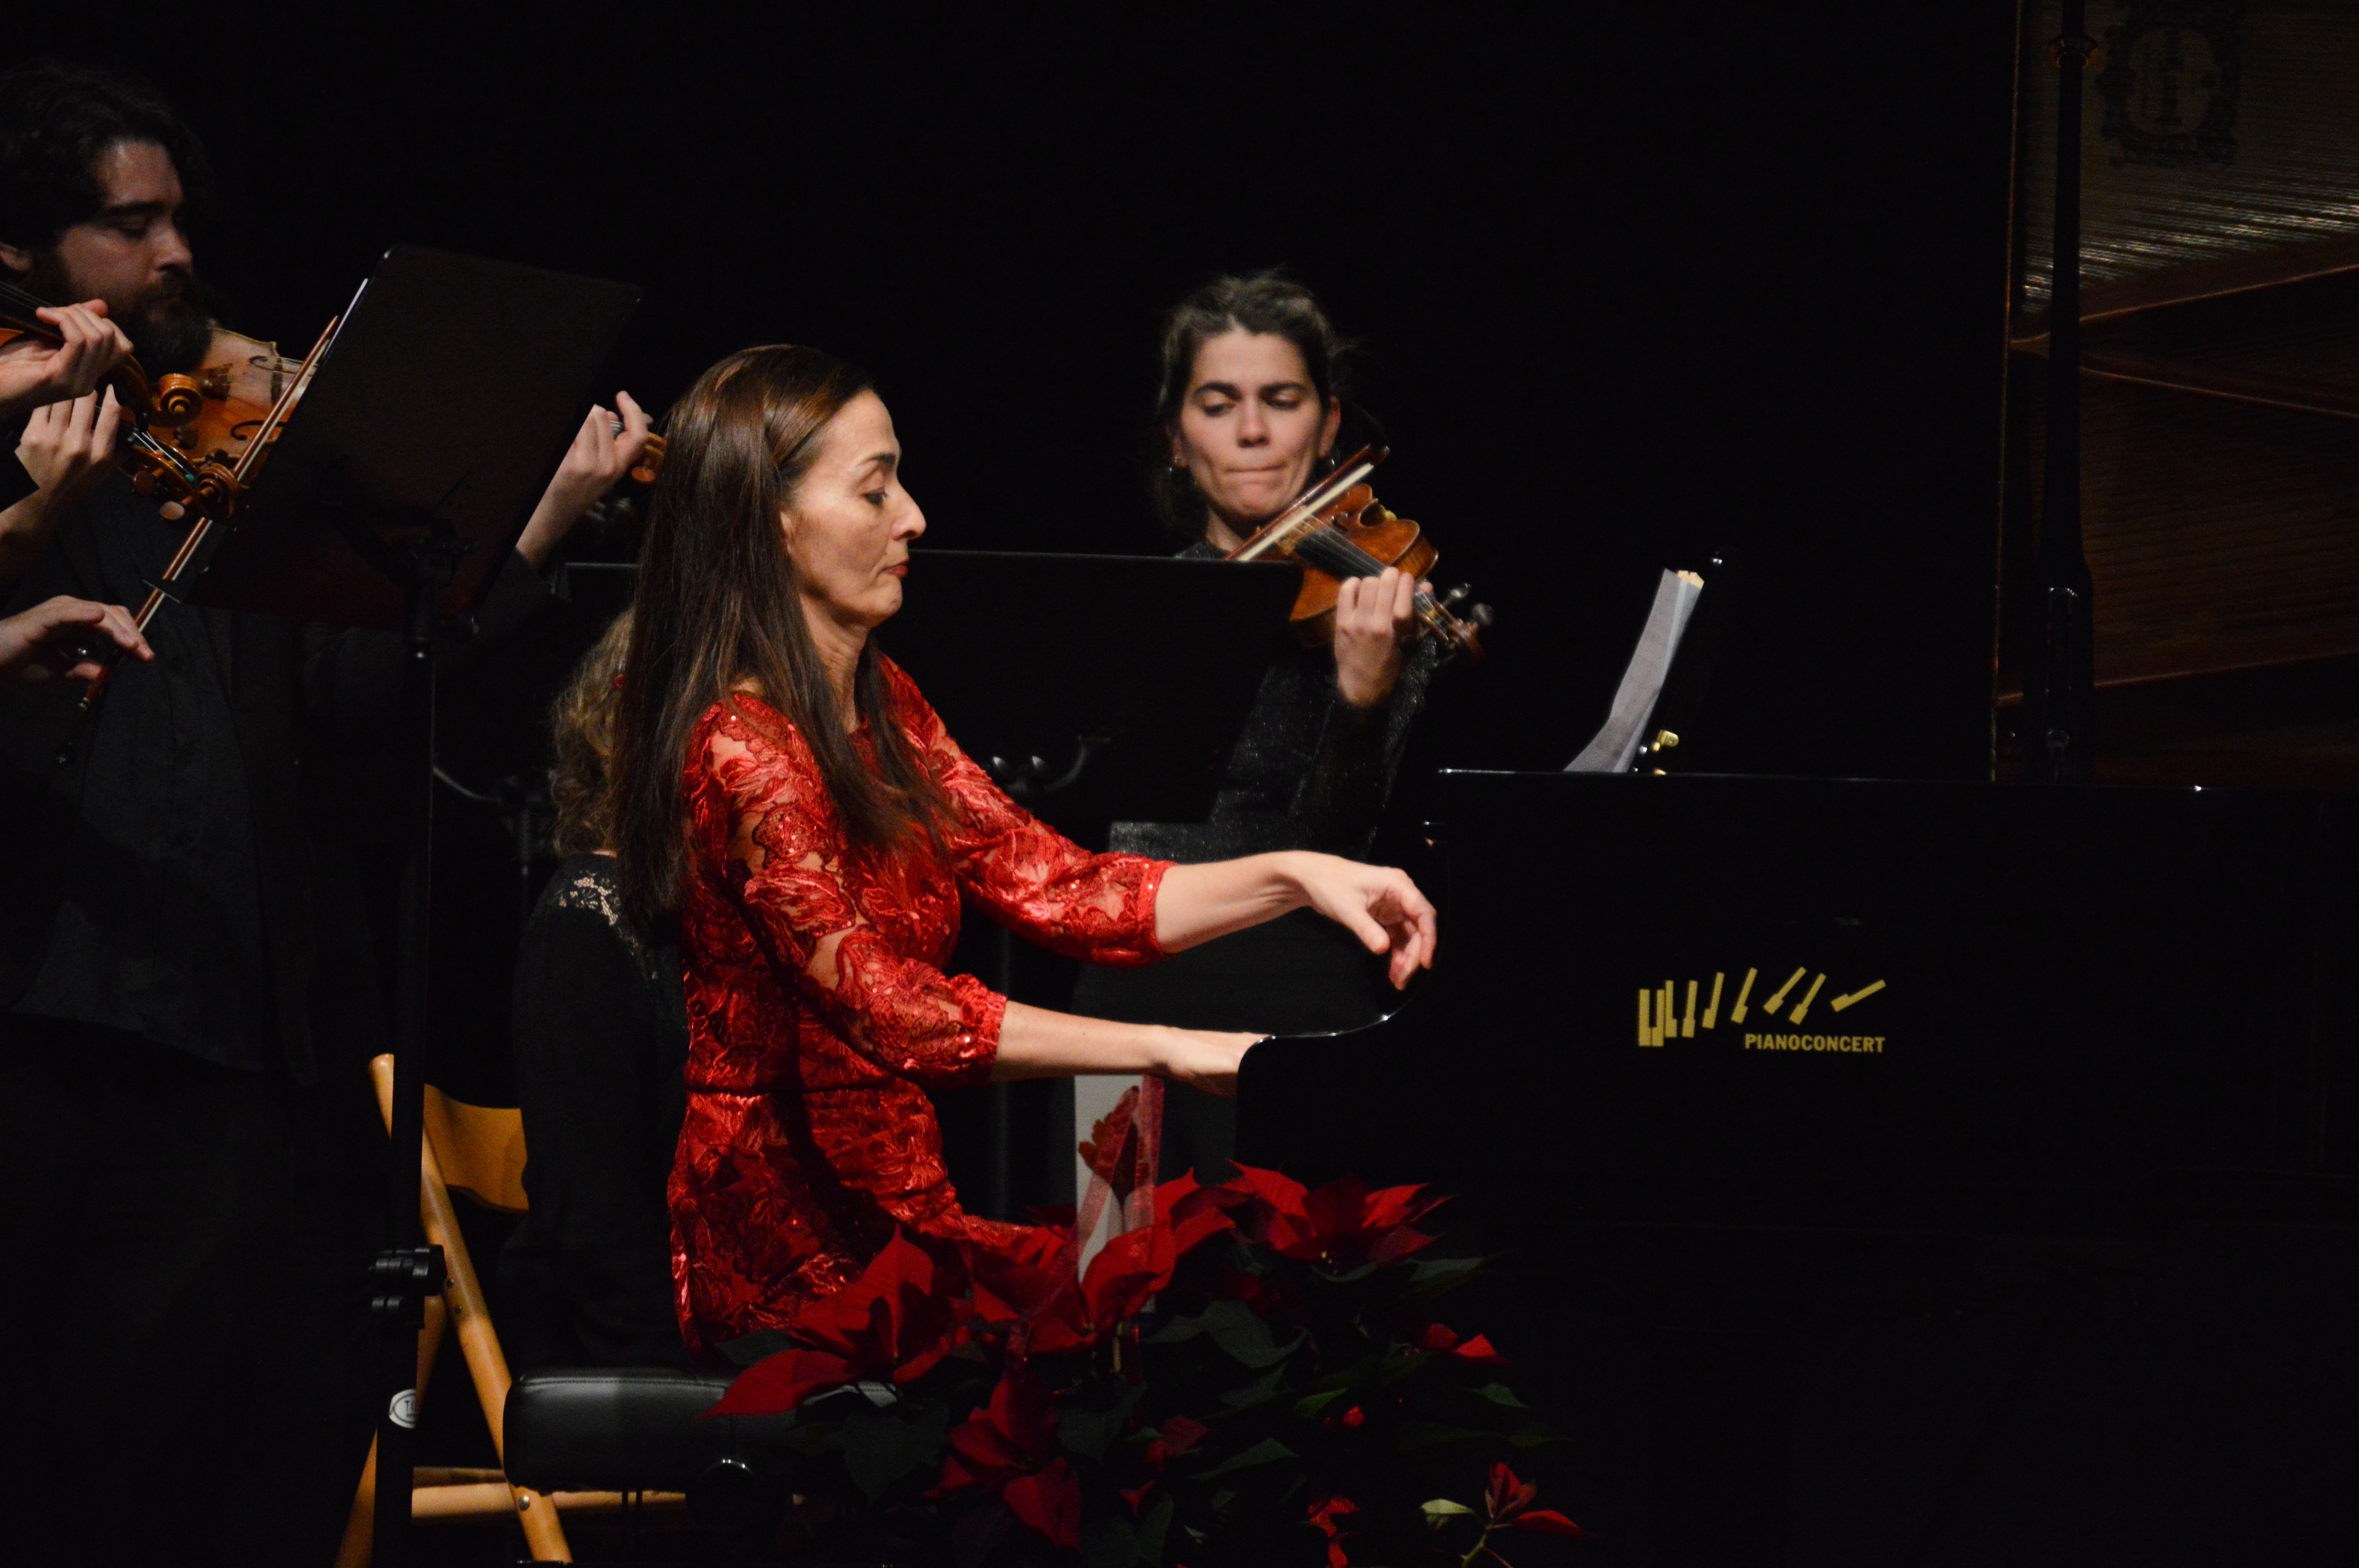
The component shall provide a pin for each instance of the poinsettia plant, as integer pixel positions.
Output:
(1252, 1374)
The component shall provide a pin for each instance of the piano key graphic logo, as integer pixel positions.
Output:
(1669, 1011)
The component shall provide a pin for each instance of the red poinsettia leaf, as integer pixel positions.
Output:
(1395, 1245)
(1005, 1288)
(852, 1323)
(863, 1321)
(1325, 1514)
(1045, 1336)
(1508, 1497)
(1398, 1206)
(1125, 1272)
(1182, 1433)
(1282, 1194)
(1197, 1224)
(1023, 1412)
(777, 1384)
(1479, 1351)
(982, 1447)
(1049, 1502)
(1437, 1337)
(1340, 1205)
(1169, 1194)
(925, 1360)
(1548, 1521)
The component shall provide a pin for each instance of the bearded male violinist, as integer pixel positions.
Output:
(187, 1143)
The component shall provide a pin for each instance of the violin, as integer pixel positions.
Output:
(197, 439)
(1339, 530)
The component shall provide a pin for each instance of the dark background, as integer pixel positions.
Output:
(1632, 284)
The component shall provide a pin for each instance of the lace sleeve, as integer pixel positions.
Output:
(786, 865)
(1031, 878)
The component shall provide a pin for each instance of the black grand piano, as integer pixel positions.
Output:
(1889, 1173)
(1937, 1173)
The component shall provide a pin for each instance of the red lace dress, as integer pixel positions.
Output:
(818, 1012)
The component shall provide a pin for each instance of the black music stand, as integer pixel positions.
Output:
(1091, 688)
(391, 500)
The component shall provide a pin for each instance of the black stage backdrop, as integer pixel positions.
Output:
(1635, 282)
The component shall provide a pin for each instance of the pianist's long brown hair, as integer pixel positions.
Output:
(718, 603)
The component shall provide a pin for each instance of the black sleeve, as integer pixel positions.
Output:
(588, 1056)
(1359, 752)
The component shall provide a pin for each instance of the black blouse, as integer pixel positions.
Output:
(601, 1050)
(1309, 772)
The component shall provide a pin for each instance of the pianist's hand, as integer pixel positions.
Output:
(1203, 1059)
(1378, 904)
(66, 637)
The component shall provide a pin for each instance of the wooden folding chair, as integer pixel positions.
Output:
(479, 1150)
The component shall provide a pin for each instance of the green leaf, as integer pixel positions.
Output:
(1261, 1390)
(1500, 1394)
(1441, 1508)
(1432, 1277)
(1237, 1328)
(1151, 1531)
(1268, 1450)
(1109, 1542)
(1308, 1408)
(1088, 1433)
(1430, 1434)
(880, 1447)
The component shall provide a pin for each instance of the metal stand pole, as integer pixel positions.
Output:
(407, 1271)
(2060, 685)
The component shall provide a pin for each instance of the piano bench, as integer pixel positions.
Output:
(638, 1430)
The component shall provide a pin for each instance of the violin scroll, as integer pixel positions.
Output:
(651, 463)
(178, 399)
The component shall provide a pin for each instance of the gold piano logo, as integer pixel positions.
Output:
(1661, 1018)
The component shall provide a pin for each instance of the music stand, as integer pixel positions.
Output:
(1091, 688)
(391, 501)
(1113, 682)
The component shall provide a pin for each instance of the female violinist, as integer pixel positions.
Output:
(1249, 406)
(786, 794)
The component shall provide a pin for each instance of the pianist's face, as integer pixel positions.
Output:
(1251, 429)
(849, 527)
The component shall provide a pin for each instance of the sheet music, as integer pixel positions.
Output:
(1617, 744)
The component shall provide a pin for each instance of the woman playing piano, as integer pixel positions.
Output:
(784, 791)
